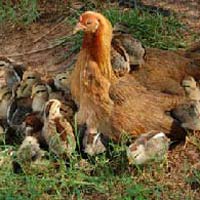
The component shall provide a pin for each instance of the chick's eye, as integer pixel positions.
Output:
(30, 77)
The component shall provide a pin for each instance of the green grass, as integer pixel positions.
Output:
(23, 12)
(100, 177)
(153, 30)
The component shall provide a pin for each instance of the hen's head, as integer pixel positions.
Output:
(90, 22)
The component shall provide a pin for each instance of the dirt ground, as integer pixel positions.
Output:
(34, 47)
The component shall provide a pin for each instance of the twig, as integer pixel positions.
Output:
(49, 31)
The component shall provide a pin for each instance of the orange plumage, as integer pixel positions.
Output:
(109, 105)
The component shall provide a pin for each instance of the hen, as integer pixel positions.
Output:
(109, 105)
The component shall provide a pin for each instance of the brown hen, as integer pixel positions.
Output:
(109, 105)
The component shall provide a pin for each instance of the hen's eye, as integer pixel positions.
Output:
(89, 22)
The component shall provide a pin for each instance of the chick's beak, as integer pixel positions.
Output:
(78, 27)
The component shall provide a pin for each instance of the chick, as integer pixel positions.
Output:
(191, 89)
(29, 79)
(29, 150)
(32, 126)
(59, 85)
(148, 147)
(21, 98)
(119, 59)
(186, 112)
(94, 144)
(57, 131)
(13, 71)
(21, 104)
(132, 46)
(54, 91)
(62, 92)
(2, 134)
(189, 114)
(68, 109)
(40, 96)
(192, 122)
(5, 100)
(61, 81)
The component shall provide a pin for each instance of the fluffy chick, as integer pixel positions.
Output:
(191, 89)
(21, 104)
(29, 79)
(132, 46)
(148, 147)
(40, 96)
(57, 131)
(29, 150)
(94, 144)
(21, 100)
(188, 115)
(5, 100)
(13, 71)
(32, 126)
(61, 81)
(119, 59)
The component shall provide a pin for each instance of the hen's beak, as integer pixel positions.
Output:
(78, 27)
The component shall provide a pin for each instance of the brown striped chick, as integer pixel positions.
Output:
(191, 89)
(189, 114)
(29, 79)
(60, 86)
(193, 122)
(68, 108)
(132, 46)
(61, 81)
(148, 147)
(2, 134)
(57, 131)
(21, 101)
(29, 151)
(119, 59)
(20, 106)
(39, 96)
(13, 71)
(54, 93)
(94, 143)
(5, 101)
(32, 126)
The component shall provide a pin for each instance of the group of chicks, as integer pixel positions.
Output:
(36, 112)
